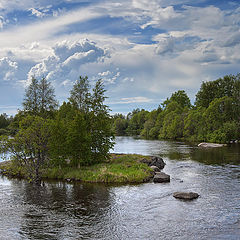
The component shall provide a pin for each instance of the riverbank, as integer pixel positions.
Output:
(120, 168)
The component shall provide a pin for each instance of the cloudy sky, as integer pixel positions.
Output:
(144, 50)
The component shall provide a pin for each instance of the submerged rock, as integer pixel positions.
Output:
(212, 145)
(161, 177)
(186, 195)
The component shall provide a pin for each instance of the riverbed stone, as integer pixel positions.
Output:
(161, 177)
(158, 162)
(155, 169)
(186, 195)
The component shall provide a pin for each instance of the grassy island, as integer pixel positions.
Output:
(120, 168)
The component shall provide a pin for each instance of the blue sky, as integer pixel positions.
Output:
(144, 50)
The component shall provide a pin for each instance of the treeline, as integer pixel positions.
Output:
(45, 135)
(215, 116)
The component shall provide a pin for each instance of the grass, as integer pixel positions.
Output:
(120, 168)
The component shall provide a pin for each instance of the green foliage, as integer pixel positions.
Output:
(136, 121)
(215, 117)
(29, 148)
(80, 95)
(228, 86)
(120, 125)
(179, 97)
(101, 132)
(194, 125)
(40, 99)
(79, 141)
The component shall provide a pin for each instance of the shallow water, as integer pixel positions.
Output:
(146, 211)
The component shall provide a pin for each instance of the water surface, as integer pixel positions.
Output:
(146, 211)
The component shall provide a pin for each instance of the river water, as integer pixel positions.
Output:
(146, 211)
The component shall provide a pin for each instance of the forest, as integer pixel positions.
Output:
(214, 117)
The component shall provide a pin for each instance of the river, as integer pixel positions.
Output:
(146, 211)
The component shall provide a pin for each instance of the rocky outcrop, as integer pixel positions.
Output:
(161, 177)
(186, 195)
(154, 161)
(210, 145)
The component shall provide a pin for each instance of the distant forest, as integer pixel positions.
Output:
(214, 117)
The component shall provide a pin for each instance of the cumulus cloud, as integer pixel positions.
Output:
(165, 45)
(8, 69)
(109, 77)
(67, 59)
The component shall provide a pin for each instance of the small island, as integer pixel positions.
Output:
(119, 168)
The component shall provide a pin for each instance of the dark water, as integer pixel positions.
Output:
(145, 211)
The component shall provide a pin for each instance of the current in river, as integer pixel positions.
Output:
(60, 210)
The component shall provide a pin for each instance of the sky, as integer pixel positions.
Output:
(143, 50)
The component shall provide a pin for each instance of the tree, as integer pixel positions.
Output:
(100, 124)
(227, 86)
(39, 98)
(80, 95)
(219, 111)
(194, 125)
(180, 97)
(31, 100)
(136, 122)
(47, 100)
(29, 148)
(79, 142)
(120, 126)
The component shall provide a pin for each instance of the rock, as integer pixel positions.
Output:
(155, 169)
(206, 145)
(161, 177)
(186, 195)
(158, 162)
(146, 161)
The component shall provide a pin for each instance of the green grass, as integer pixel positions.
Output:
(120, 168)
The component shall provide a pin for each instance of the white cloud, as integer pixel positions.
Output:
(45, 30)
(37, 13)
(67, 60)
(133, 100)
(165, 45)
(8, 69)
(103, 74)
(109, 77)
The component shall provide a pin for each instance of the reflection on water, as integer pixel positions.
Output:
(146, 211)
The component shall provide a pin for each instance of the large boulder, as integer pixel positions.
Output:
(161, 177)
(210, 145)
(186, 195)
(158, 162)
